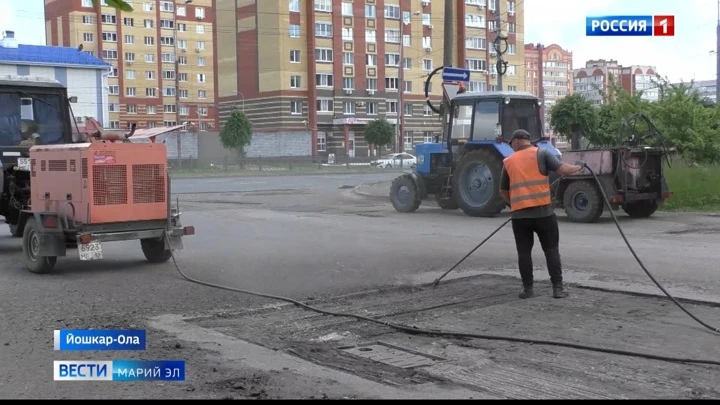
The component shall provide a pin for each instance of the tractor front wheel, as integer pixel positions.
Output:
(155, 251)
(404, 194)
(476, 183)
(640, 209)
(31, 250)
(582, 202)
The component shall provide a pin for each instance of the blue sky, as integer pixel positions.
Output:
(685, 56)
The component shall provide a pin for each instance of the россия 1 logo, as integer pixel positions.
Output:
(631, 26)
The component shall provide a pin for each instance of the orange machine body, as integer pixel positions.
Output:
(100, 182)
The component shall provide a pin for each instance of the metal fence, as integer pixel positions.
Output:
(283, 164)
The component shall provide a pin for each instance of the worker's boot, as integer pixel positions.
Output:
(559, 291)
(527, 292)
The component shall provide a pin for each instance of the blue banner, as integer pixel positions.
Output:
(98, 339)
(619, 26)
(119, 370)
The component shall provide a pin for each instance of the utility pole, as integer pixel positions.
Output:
(717, 56)
(501, 67)
(177, 106)
(448, 40)
(401, 89)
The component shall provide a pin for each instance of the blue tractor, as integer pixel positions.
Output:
(463, 169)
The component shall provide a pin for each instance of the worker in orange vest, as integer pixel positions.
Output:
(525, 186)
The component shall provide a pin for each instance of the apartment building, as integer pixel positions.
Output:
(706, 89)
(636, 79)
(162, 56)
(314, 72)
(596, 75)
(548, 75)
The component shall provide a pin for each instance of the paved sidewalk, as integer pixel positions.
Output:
(488, 368)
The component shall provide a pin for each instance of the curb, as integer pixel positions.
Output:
(358, 191)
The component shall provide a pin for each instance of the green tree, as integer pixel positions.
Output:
(379, 133)
(574, 115)
(121, 5)
(237, 133)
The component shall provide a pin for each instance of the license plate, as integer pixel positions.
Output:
(90, 251)
(24, 164)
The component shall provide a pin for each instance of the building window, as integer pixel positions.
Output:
(324, 80)
(370, 11)
(372, 109)
(347, 33)
(408, 140)
(391, 83)
(294, 82)
(347, 9)
(129, 22)
(201, 61)
(371, 59)
(408, 110)
(475, 20)
(323, 5)
(323, 55)
(169, 108)
(109, 36)
(296, 107)
(511, 71)
(476, 64)
(325, 106)
(113, 107)
(88, 19)
(110, 54)
(348, 83)
(199, 29)
(181, 11)
(130, 91)
(392, 12)
(115, 124)
(371, 84)
(294, 6)
(184, 111)
(294, 31)
(391, 107)
(88, 37)
(130, 75)
(512, 88)
(169, 91)
(184, 93)
(167, 6)
(323, 30)
(150, 110)
(129, 56)
(294, 56)
(511, 49)
(148, 6)
(321, 142)
(150, 92)
(349, 108)
(407, 86)
(428, 137)
(392, 59)
(87, 3)
(370, 36)
(149, 58)
(108, 19)
(202, 94)
(476, 43)
(132, 109)
(129, 39)
(149, 23)
(348, 58)
(392, 36)
(150, 41)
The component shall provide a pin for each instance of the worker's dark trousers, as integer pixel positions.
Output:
(547, 231)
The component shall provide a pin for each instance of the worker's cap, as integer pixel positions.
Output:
(520, 134)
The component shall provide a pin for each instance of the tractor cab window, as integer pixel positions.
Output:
(461, 122)
(521, 114)
(30, 119)
(487, 116)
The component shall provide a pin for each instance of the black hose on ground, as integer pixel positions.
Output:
(418, 331)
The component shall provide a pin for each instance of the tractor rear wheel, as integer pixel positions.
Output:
(31, 249)
(154, 250)
(582, 202)
(640, 209)
(446, 203)
(404, 194)
(476, 183)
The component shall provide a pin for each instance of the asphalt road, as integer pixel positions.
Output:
(297, 182)
(300, 236)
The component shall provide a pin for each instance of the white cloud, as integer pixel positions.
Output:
(686, 55)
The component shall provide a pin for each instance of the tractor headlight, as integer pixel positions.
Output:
(421, 159)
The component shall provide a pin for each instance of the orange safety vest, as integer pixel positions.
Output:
(528, 187)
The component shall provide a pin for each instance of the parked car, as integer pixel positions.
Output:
(395, 161)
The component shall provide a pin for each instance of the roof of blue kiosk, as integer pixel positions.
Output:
(50, 56)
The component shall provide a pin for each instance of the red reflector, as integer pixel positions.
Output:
(49, 221)
(616, 199)
(667, 196)
(85, 239)
(189, 230)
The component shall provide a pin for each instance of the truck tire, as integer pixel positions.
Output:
(582, 202)
(640, 209)
(446, 203)
(476, 183)
(404, 194)
(154, 250)
(31, 243)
